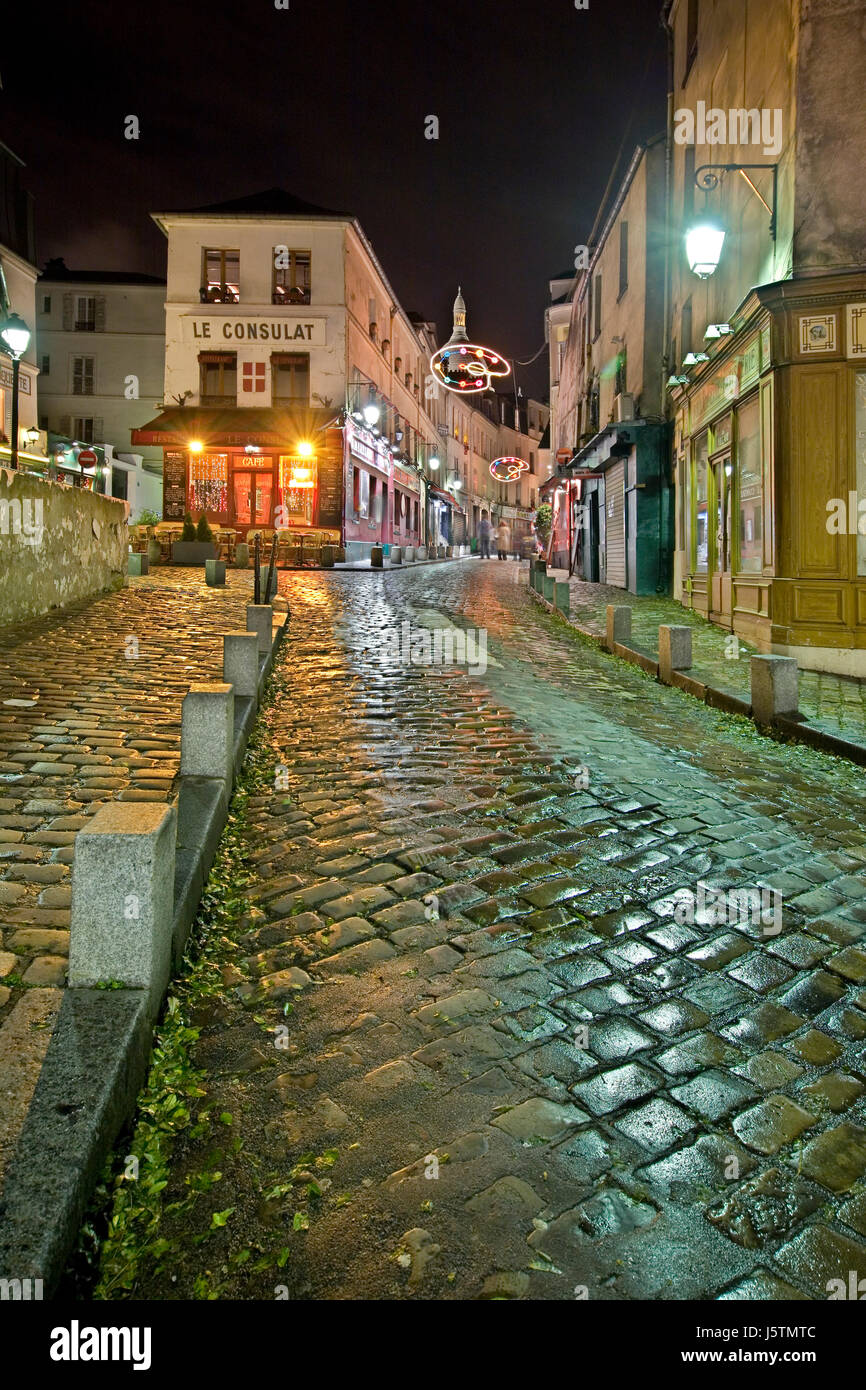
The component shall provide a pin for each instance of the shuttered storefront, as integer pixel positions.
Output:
(615, 524)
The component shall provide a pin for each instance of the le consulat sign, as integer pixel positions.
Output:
(254, 329)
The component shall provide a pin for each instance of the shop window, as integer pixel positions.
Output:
(253, 376)
(860, 458)
(298, 483)
(701, 517)
(218, 378)
(361, 494)
(750, 487)
(291, 276)
(82, 376)
(221, 271)
(290, 378)
(208, 484)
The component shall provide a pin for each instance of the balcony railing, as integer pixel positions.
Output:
(296, 295)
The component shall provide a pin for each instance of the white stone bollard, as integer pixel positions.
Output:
(396, 555)
(675, 650)
(241, 663)
(207, 732)
(618, 625)
(420, 552)
(775, 687)
(409, 554)
(123, 897)
(260, 620)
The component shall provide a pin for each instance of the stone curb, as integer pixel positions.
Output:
(798, 730)
(98, 1055)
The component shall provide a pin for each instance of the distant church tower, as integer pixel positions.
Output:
(458, 334)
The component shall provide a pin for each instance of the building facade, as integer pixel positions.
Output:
(768, 332)
(100, 339)
(18, 295)
(294, 380)
(612, 507)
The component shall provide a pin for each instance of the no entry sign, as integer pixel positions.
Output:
(87, 457)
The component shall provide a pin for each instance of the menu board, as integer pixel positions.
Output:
(330, 490)
(174, 486)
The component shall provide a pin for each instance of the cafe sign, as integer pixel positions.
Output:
(282, 328)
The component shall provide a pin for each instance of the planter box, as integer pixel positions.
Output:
(192, 552)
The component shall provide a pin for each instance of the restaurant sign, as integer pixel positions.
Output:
(300, 332)
(367, 448)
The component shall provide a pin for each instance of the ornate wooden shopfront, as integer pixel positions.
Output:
(770, 468)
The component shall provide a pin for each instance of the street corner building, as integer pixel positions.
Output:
(293, 384)
(708, 353)
(768, 325)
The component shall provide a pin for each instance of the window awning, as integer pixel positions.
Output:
(231, 425)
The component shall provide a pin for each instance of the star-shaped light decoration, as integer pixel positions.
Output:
(463, 366)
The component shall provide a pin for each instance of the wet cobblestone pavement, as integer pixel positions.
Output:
(834, 704)
(467, 1049)
(89, 711)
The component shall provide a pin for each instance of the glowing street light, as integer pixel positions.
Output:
(15, 336)
(704, 242)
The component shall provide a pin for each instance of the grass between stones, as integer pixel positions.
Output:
(122, 1235)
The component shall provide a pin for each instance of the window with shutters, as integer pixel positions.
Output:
(85, 313)
(597, 307)
(82, 376)
(290, 378)
(218, 378)
(83, 429)
(46, 364)
(46, 303)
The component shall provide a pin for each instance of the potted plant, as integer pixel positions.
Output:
(196, 544)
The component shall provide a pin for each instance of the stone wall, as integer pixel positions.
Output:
(57, 544)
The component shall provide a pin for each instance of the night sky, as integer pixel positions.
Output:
(328, 100)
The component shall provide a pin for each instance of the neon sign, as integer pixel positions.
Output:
(463, 366)
(508, 469)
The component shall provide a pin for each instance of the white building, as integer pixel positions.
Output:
(18, 295)
(101, 352)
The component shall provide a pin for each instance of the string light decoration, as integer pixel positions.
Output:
(208, 483)
(463, 366)
(508, 469)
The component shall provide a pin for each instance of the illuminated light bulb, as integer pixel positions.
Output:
(195, 446)
(305, 449)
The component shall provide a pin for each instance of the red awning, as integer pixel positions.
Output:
(232, 425)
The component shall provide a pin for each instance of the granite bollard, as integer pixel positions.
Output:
(408, 554)
(618, 625)
(675, 650)
(207, 732)
(241, 663)
(377, 557)
(775, 687)
(137, 563)
(263, 572)
(260, 620)
(562, 596)
(396, 554)
(420, 552)
(214, 573)
(123, 898)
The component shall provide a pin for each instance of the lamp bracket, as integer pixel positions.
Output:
(706, 179)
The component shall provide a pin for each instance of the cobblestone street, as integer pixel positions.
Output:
(466, 1048)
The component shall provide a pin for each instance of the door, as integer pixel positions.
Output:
(615, 525)
(253, 496)
(720, 577)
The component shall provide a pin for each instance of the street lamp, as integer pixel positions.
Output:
(371, 414)
(16, 340)
(704, 247)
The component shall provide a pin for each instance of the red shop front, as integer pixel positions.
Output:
(283, 475)
(383, 499)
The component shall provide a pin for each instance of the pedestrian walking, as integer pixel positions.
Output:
(503, 539)
(484, 530)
